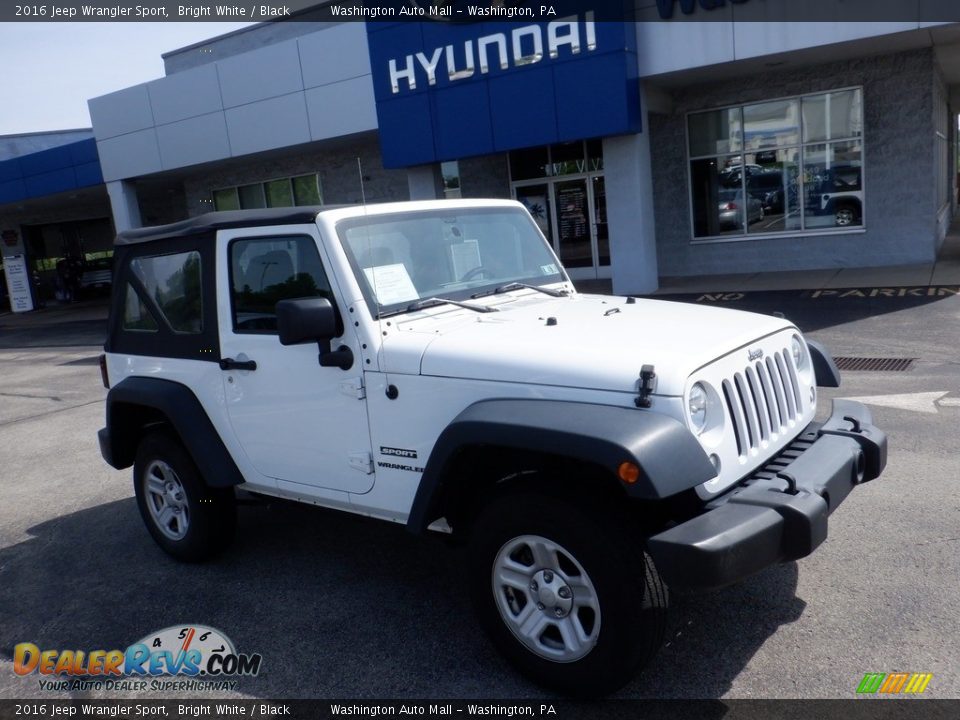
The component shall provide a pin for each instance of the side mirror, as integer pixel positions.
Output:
(304, 320)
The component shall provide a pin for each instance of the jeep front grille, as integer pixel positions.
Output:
(762, 400)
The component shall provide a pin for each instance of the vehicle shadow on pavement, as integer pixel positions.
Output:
(338, 606)
(712, 636)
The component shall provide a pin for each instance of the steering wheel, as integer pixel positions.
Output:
(473, 273)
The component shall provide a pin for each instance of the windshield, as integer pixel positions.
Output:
(405, 257)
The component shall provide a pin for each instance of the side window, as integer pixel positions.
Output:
(173, 282)
(135, 313)
(264, 271)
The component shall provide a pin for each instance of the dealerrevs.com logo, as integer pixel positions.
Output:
(180, 657)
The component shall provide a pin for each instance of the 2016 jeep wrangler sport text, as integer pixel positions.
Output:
(430, 363)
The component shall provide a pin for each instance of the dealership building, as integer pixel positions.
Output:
(700, 145)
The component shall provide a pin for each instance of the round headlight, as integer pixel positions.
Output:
(799, 353)
(697, 407)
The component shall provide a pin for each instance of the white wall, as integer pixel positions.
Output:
(309, 88)
(664, 47)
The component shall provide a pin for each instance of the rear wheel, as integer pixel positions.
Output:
(185, 517)
(566, 592)
(846, 215)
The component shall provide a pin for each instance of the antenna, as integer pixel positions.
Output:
(363, 195)
(373, 273)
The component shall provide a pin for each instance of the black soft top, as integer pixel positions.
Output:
(224, 219)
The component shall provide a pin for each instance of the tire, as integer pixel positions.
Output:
(189, 520)
(845, 215)
(529, 553)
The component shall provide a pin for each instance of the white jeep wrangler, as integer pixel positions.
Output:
(430, 363)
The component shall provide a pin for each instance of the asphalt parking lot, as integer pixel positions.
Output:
(345, 607)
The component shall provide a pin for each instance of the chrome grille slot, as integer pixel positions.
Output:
(762, 400)
(759, 403)
(787, 389)
(778, 392)
(749, 411)
(736, 417)
(775, 417)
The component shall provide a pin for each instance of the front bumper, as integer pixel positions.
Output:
(778, 513)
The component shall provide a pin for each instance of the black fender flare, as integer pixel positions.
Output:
(825, 370)
(119, 439)
(669, 457)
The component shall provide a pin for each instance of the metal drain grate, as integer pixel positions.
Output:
(874, 364)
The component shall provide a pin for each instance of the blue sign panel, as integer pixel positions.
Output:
(47, 172)
(446, 91)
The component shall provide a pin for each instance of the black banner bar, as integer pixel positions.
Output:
(860, 709)
(466, 11)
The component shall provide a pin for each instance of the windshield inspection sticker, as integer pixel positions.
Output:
(550, 269)
(391, 283)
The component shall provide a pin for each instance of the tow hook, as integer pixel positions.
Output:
(791, 483)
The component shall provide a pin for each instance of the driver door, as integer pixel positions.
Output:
(300, 424)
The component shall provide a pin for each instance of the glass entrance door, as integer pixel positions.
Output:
(572, 214)
(574, 236)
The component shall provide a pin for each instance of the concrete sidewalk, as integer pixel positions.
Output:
(56, 313)
(945, 271)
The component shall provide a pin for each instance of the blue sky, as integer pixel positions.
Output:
(49, 70)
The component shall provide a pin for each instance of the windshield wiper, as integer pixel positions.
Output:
(433, 302)
(517, 286)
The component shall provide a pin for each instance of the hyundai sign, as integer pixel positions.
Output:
(446, 91)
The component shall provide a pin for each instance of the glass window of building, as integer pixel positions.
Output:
(306, 190)
(281, 192)
(450, 171)
(789, 165)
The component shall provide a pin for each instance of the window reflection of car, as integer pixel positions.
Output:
(767, 187)
(731, 176)
(96, 274)
(838, 192)
(731, 208)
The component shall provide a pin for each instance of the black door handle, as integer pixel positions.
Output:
(231, 364)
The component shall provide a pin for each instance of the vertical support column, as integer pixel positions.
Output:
(425, 182)
(629, 187)
(123, 201)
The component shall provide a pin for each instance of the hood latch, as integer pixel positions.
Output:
(648, 385)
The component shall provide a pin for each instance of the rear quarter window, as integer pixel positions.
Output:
(173, 282)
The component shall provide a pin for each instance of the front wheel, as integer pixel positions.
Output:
(185, 517)
(566, 592)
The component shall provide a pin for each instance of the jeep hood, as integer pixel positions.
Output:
(584, 341)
